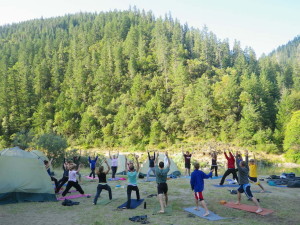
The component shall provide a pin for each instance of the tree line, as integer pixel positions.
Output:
(126, 78)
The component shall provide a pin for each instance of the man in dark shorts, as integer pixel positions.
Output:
(161, 180)
(243, 171)
(187, 162)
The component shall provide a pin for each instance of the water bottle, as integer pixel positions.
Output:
(145, 205)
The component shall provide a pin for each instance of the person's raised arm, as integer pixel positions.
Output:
(90, 159)
(156, 159)
(96, 158)
(154, 156)
(226, 155)
(109, 154)
(137, 163)
(148, 155)
(126, 165)
(246, 155)
(169, 162)
(117, 155)
(108, 167)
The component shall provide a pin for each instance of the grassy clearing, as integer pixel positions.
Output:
(284, 201)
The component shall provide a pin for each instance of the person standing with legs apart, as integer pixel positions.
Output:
(230, 166)
(114, 164)
(132, 181)
(151, 165)
(243, 171)
(72, 182)
(187, 163)
(197, 185)
(102, 183)
(93, 166)
(253, 173)
(161, 180)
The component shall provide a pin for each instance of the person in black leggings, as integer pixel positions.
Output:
(72, 182)
(102, 183)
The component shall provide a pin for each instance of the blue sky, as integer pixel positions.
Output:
(261, 24)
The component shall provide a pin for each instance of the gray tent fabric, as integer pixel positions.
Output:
(173, 168)
(39, 155)
(23, 178)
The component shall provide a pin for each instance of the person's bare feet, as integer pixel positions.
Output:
(161, 211)
(259, 210)
(206, 214)
(196, 208)
(262, 191)
(237, 203)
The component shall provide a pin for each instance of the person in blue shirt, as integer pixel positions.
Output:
(197, 185)
(132, 181)
(93, 165)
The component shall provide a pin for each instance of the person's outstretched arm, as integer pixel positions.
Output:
(156, 160)
(169, 162)
(137, 163)
(109, 155)
(108, 167)
(126, 165)
(117, 155)
(226, 155)
(148, 155)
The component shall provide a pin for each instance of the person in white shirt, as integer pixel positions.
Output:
(72, 181)
(114, 164)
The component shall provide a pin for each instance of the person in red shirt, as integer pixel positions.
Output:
(230, 167)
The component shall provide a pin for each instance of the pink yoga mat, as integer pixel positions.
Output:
(91, 178)
(73, 196)
(248, 208)
(69, 191)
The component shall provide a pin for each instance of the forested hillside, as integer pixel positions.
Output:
(130, 79)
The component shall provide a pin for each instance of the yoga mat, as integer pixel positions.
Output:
(73, 196)
(60, 192)
(117, 178)
(91, 178)
(150, 179)
(248, 208)
(258, 191)
(226, 185)
(134, 203)
(212, 216)
(104, 201)
(168, 210)
(214, 178)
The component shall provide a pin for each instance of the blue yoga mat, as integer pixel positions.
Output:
(214, 178)
(150, 179)
(134, 203)
(226, 185)
(212, 216)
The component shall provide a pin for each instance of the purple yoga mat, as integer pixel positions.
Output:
(68, 191)
(73, 196)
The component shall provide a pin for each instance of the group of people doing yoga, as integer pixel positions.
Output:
(243, 173)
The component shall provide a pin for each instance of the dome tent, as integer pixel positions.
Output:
(39, 155)
(23, 178)
(173, 168)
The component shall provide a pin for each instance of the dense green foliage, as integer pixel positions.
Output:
(129, 79)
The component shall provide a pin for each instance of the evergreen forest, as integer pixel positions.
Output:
(127, 78)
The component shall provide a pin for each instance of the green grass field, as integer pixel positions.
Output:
(284, 201)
